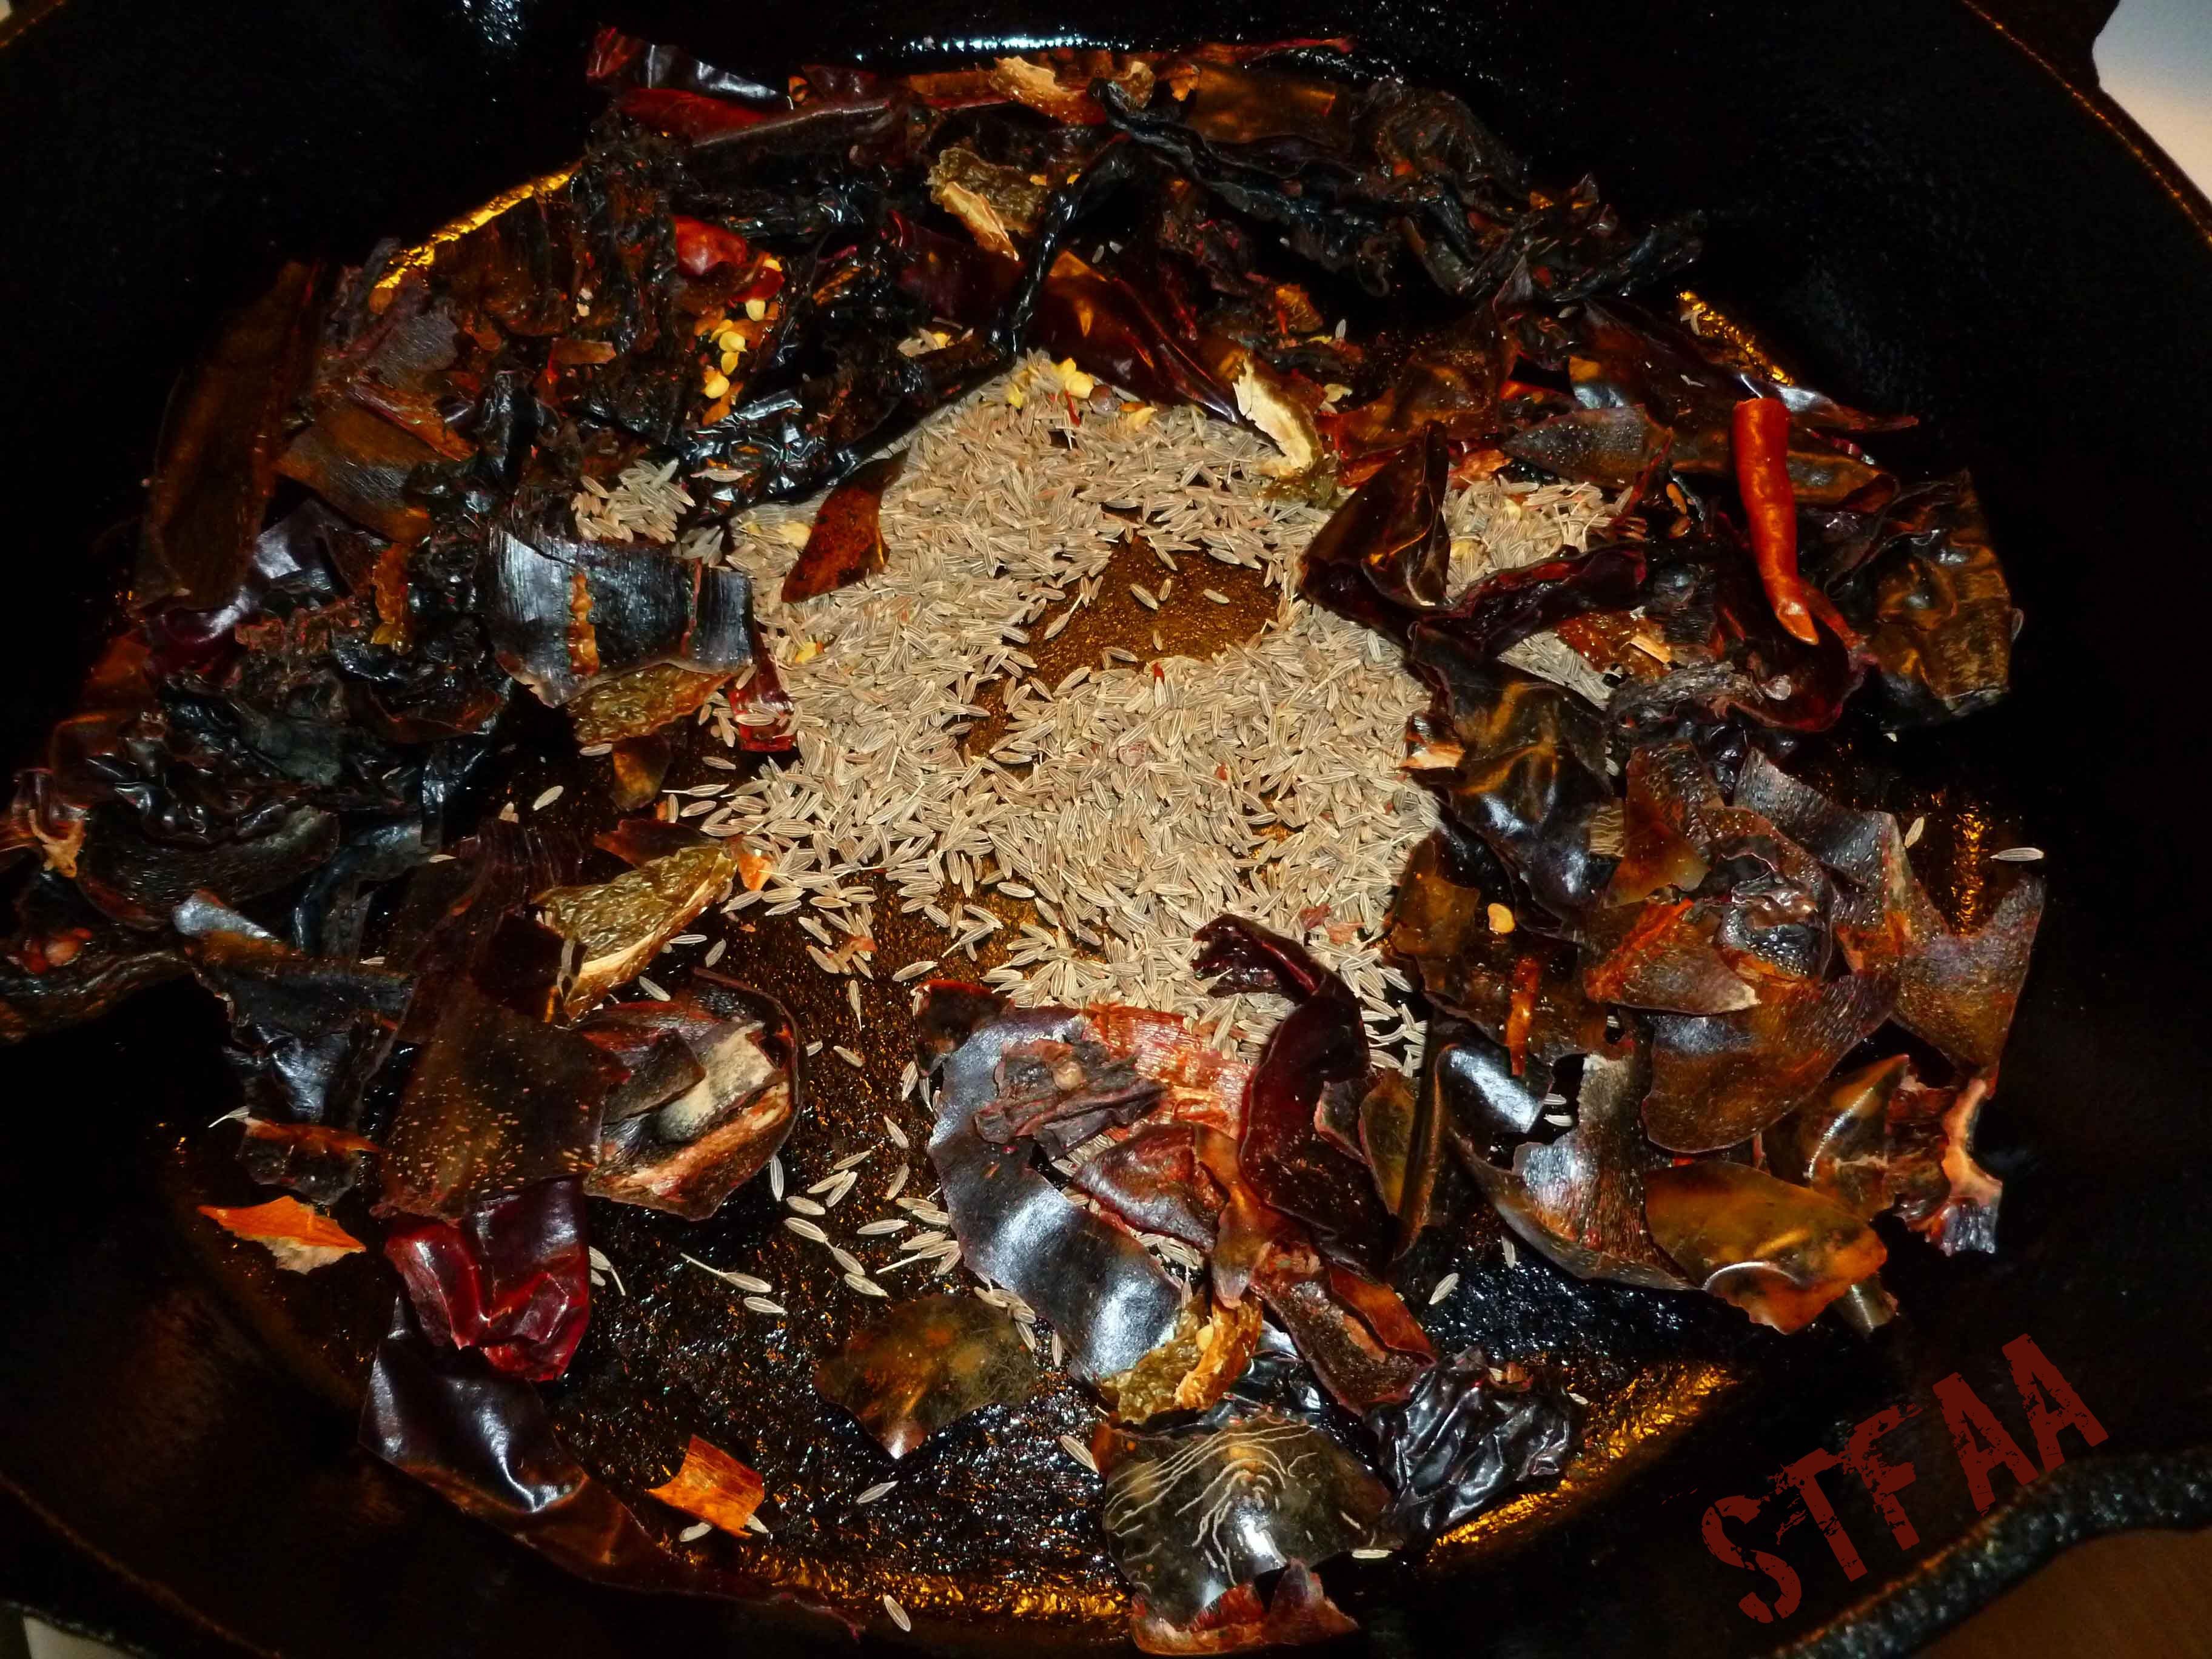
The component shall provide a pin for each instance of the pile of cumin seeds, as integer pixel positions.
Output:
(644, 505)
(1130, 807)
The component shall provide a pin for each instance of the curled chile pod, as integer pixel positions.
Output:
(1769, 507)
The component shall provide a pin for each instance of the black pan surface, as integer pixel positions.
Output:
(1916, 207)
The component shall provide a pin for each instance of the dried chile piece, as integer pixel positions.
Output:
(1526, 769)
(1464, 1439)
(1099, 1288)
(517, 271)
(1760, 446)
(66, 962)
(1401, 1137)
(139, 880)
(1472, 1081)
(360, 464)
(1521, 1010)
(1448, 380)
(1111, 332)
(1389, 539)
(995, 202)
(1320, 1043)
(1478, 981)
(1362, 1344)
(522, 965)
(690, 1148)
(1057, 82)
(1717, 1080)
(1704, 587)
(1200, 1084)
(1934, 606)
(619, 926)
(1156, 1181)
(1880, 1139)
(712, 1487)
(1435, 918)
(1615, 447)
(1421, 175)
(1297, 1612)
(1387, 525)
(496, 1101)
(927, 1363)
(877, 129)
(1579, 1199)
(215, 463)
(449, 917)
(1507, 606)
(1478, 986)
(1248, 104)
(1621, 353)
(307, 1033)
(845, 543)
(1193, 1369)
(301, 1239)
(638, 766)
(1772, 902)
(638, 701)
(1660, 955)
(1061, 1094)
(309, 557)
(954, 280)
(701, 246)
(1248, 1229)
(1837, 1142)
(322, 1162)
(1380, 1309)
(483, 1442)
(561, 612)
(1780, 1253)
(510, 1279)
(1190, 1518)
(331, 915)
(1957, 990)
(1964, 1216)
(1672, 801)
(659, 1063)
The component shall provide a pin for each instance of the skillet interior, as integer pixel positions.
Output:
(1914, 208)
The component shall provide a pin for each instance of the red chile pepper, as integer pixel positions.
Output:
(1762, 477)
(690, 115)
(1527, 974)
(700, 246)
(1604, 982)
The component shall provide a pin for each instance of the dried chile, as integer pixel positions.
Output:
(925, 1365)
(508, 1277)
(1463, 1439)
(1098, 1286)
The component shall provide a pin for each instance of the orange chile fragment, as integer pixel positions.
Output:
(1527, 974)
(713, 1486)
(1604, 981)
(300, 1239)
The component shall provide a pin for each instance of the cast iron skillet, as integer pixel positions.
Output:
(1912, 201)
